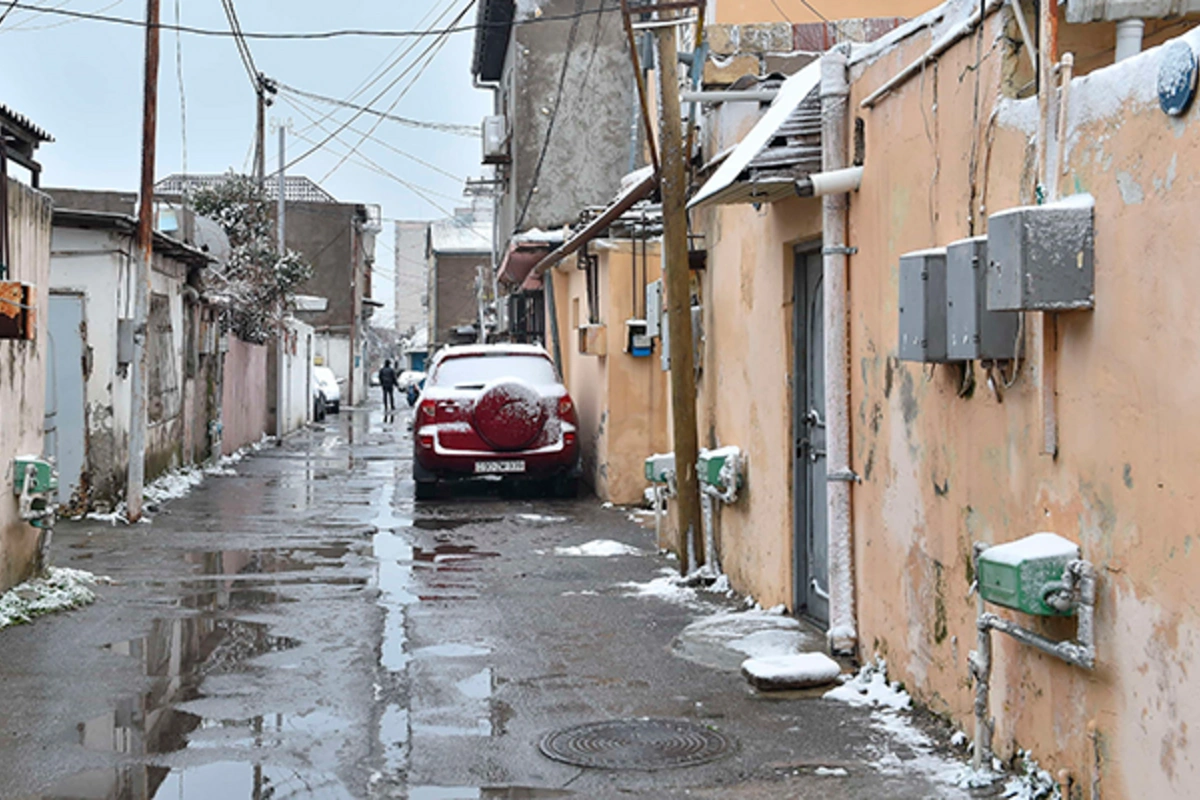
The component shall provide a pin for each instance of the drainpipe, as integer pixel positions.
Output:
(1129, 38)
(835, 94)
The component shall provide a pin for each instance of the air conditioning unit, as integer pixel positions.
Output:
(495, 141)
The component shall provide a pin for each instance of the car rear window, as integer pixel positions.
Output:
(473, 372)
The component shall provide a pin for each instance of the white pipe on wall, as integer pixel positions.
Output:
(835, 96)
(1129, 38)
(838, 181)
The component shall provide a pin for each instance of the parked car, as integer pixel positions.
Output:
(495, 410)
(328, 382)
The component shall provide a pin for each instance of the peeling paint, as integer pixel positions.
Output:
(1131, 190)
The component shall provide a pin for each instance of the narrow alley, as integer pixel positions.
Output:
(299, 629)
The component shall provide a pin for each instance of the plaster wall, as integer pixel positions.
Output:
(412, 281)
(297, 400)
(622, 400)
(454, 292)
(94, 264)
(745, 393)
(944, 465)
(23, 375)
(244, 406)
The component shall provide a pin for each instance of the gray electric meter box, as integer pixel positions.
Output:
(1040, 258)
(923, 306)
(973, 332)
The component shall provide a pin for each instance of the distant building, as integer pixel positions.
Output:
(412, 276)
(459, 250)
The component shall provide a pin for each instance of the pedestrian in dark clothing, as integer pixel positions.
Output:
(387, 382)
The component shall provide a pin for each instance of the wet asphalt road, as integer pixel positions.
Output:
(301, 630)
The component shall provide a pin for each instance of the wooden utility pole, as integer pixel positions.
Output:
(673, 184)
(136, 475)
(260, 133)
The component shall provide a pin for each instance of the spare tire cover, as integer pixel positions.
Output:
(509, 414)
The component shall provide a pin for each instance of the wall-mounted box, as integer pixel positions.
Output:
(972, 331)
(1022, 574)
(18, 310)
(42, 477)
(593, 340)
(495, 141)
(1040, 258)
(659, 466)
(923, 306)
(720, 467)
(654, 307)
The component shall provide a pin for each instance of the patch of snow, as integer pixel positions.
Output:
(540, 518)
(959, 739)
(757, 634)
(720, 585)
(59, 589)
(173, 485)
(1034, 783)
(831, 772)
(870, 687)
(796, 669)
(599, 548)
(583, 593)
(668, 586)
(606, 504)
(1035, 546)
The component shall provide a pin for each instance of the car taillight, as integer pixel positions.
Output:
(428, 410)
(565, 407)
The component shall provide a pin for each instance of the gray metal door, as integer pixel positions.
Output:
(65, 383)
(811, 536)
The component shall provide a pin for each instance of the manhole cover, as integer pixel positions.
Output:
(636, 744)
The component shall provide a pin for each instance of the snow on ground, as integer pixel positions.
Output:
(753, 634)
(904, 748)
(599, 548)
(540, 518)
(831, 772)
(793, 670)
(59, 589)
(667, 586)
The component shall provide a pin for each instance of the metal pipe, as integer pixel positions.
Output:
(1071, 652)
(1129, 38)
(1066, 73)
(979, 664)
(835, 97)
(837, 181)
(731, 96)
(1023, 25)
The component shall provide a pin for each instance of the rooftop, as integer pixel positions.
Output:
(297, 188)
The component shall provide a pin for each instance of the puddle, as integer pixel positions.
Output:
(224, 779)
(451, 651)
(446, 524)
(393, 735)
(482, 793)
(451, 556)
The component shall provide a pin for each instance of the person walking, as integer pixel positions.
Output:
(387, 382)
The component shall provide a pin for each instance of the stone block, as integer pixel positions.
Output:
(788, 64)
(722, 39)
(766, 37)
(815, 37)
(723, 72)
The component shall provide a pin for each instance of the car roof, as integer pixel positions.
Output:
(461, 351)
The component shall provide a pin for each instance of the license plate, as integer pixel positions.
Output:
(490, 467)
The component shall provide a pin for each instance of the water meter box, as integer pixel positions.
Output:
(972, 331)
(1020, 574)
(712, 463)
(44, 478)
(658, 466)
(1040, 258)
(923, 306)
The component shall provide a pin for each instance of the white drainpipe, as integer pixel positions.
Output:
(1129, 38)
(835, 93)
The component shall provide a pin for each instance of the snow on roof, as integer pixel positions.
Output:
(791, 95)
(460, 351)
(461, 235)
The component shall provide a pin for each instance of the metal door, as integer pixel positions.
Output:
(811, 535)
(65, 384)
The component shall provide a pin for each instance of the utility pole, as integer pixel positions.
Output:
(673, 184)
(260, 132)
(136, 476)
(280, 382)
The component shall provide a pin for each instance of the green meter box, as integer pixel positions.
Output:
(44, 479)
(1020, 574)
(658, 466)
(712, 464)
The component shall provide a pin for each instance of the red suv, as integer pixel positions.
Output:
(495, 410)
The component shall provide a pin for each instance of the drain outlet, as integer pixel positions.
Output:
(636, 744)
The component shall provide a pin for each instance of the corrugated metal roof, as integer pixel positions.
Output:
(461, 236)
(24, 123)
(297, 188)
(783, 147)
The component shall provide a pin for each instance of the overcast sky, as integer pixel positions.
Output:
(82, 82)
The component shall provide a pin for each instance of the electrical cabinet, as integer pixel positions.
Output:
(1040, 258)
(972, 331)
(720, 467)
(923, 306)
(1021, 575)
(495, 141)
(659, 466)
(637, 342)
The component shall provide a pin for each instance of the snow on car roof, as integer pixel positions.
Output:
(460, 351)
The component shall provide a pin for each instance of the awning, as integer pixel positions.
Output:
(730, 183)
(625, 201)
(520, 259)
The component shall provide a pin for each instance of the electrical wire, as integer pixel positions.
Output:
(8, 11)
(455, 128)
(25, 27)
(239, 40)
(386, 89)
(307, 35)
(782, 13)
(811, 8)
(562, 79)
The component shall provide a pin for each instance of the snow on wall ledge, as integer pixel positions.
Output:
(1108, 10)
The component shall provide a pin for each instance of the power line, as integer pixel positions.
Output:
(25, 27)
(307, 35)
(455, 128)
(8, 11)
(242, 48)
(811, 8)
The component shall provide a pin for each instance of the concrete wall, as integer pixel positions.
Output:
(941, 470)
(590, 147)
(797, 12)
(297, 379)
(244, 406)
(622, 400)
(412, 276)
(454, 292)
(23, 375)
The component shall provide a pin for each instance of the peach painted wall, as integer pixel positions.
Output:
(941, 470)
(742, 11)
(244, 407)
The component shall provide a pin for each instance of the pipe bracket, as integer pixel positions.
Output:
(845, 475)
(838, 250)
